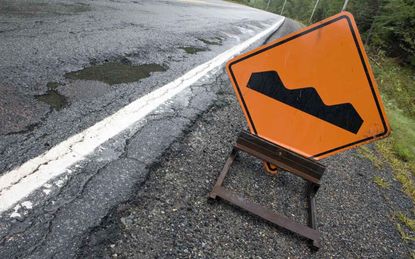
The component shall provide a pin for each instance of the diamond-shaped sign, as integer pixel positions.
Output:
(312, 91)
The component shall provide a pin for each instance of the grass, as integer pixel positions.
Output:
(398, 93)
(403, 143)
(396, 84)
(381, 182)
(405, 236)
(402, 170)
(365, 152)
(410, 223)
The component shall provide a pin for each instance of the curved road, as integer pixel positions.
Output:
(116, 117)
(67, 68)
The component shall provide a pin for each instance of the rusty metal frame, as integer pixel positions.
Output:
(306, 168)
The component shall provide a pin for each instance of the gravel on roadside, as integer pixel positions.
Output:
(171, 216)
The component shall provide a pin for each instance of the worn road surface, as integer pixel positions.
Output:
(142, 193)
(170, 216)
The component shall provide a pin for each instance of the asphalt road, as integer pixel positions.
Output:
(170, 215)
(66, 66)
(41, 43)
(143, 193)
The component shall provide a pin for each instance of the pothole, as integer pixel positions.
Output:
(52, 85)
(193, 50)
(115, 72)
(29, 8)
(52, 97)
(212, 41)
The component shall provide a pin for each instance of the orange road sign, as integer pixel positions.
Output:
(312, 91)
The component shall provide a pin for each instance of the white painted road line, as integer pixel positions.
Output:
(23, 180)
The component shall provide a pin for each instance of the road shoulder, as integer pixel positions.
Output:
(171, 216)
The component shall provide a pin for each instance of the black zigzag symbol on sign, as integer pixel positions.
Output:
(307, 100)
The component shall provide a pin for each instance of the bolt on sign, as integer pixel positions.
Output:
(313, 91)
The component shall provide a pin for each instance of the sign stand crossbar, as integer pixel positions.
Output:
(306, 168)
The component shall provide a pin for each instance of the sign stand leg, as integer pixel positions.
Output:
(306, 168)
(313, 188)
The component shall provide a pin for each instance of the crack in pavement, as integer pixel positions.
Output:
(53, 219)
(52, 212)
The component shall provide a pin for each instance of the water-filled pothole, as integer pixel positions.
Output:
(212, 41)
(116, 73)
(193, 50)
(52, 85)
(52, 97)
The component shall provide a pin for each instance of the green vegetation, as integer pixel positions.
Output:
(365, 152)
(381, 182)
(387, 28)
(398, 93)
(396, 82)
(405, 236)
(388, 25)
(397, 87)
(410, 223)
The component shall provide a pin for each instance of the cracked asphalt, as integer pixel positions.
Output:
(143, 193)
(42, 42)
(170, 215)
(40, 47)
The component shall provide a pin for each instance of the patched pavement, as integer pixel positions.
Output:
(68, 66)
(144, 192)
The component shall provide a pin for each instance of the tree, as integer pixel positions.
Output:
(394, 30)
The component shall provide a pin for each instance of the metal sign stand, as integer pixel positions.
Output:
(306, 168)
